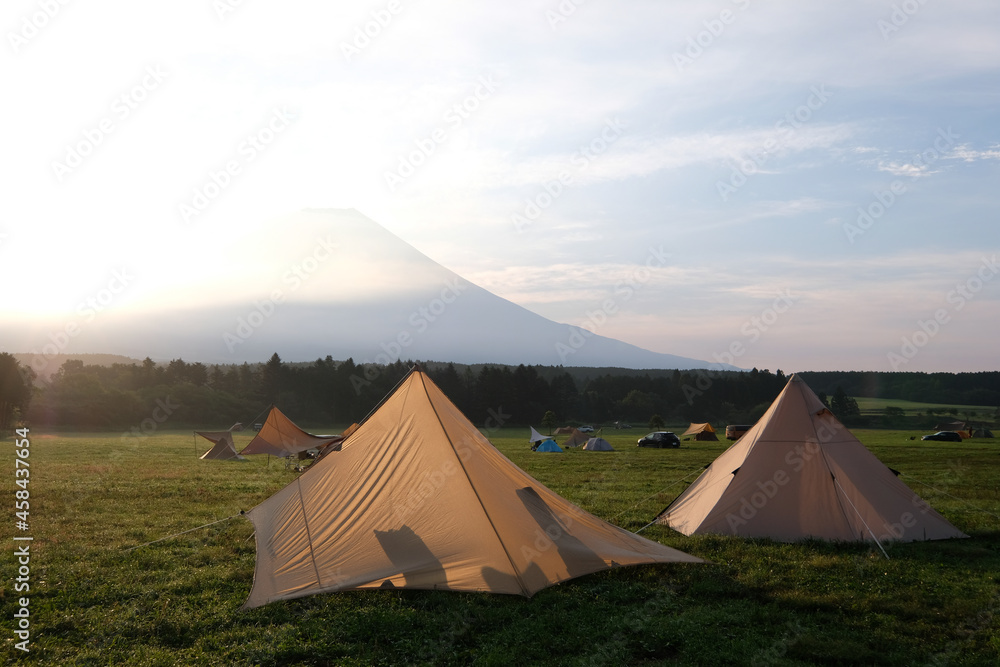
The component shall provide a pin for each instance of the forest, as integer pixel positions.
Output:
(138, 397)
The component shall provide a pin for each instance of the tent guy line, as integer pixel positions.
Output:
(184, 532)
(945, 493)
(653, 495)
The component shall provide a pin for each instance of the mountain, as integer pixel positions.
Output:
(333, 282)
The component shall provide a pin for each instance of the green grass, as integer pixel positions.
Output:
(983, 412)
(756, 603)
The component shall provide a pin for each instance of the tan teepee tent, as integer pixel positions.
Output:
(419, 498)
(279, 436)
(701, 432)
(799, 473)
(223, 447)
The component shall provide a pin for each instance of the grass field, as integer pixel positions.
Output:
(93, 602)
(912, 408)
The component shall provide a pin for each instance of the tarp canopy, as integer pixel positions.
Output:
(419, 498)
(223, 448)
(576, 438)
(535, 436)
(548, 446)
(598, 445)
(798, 473)
(335, 445)
(701, 432)
(279, 436)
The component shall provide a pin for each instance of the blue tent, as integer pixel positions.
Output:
(549, 446)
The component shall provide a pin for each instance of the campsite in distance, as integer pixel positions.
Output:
(146, 534)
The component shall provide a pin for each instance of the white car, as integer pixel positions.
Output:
(586, 429)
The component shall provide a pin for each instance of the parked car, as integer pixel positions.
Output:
(944, 436)
(660, 439)
(586, 429)
(736, 431)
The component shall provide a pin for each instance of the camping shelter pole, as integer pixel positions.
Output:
(391, 392)
(645, 527)
(837, 482)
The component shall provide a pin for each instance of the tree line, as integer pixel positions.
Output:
(327, 392)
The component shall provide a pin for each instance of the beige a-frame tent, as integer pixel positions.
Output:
(701, 432)
(279, 436)
(576, 438)
(418, 498)
(223, 448)
(799, 473)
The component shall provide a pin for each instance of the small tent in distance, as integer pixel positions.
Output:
(548, 446)
(418, 498)
(279, 436)
(701, 432)
(797, 474)
(576, 438)
(598, 445)
(223, 448)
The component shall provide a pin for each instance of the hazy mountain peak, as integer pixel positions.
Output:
(334, 282)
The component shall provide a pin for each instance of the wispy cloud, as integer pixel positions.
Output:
(966, 153)
(906, 169)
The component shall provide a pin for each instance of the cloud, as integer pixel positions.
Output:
(906, 169)
(968, 154)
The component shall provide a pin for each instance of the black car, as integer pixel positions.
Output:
(944, 436)
(659, 439)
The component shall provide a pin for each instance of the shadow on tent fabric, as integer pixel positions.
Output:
(578, 557)
(412, 557)
(501, 581)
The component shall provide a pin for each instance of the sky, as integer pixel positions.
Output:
(804, 186)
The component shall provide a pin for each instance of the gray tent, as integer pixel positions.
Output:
(598, 445)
